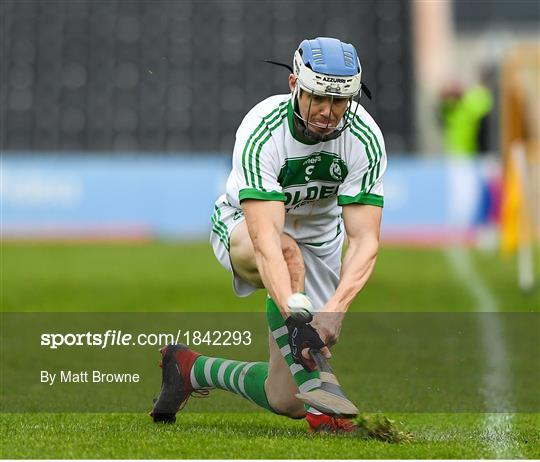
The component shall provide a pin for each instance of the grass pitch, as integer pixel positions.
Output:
(165, 277)
(168, 277)
(252, 436)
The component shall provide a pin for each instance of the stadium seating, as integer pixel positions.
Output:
(179, 76)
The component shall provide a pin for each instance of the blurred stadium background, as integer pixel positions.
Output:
(118, 117)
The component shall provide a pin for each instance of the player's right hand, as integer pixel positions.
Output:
(303, 336)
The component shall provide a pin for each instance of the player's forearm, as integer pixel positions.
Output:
(273, 268)
(357, 267)
(265, 221)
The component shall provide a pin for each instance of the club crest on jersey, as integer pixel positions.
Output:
(335, 171)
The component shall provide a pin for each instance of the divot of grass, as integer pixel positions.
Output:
(381, 428)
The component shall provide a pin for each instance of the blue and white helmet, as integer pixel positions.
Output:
(328, 67)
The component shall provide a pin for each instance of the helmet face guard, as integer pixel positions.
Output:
(303, 124)
(329, 68)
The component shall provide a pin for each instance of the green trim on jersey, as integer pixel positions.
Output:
(219, 227)
(373, 150)
(295, 135)
(362, 198)
(255, 142)
(251, 193)
(317, 166)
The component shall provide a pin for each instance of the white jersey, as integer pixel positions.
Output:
(313, 179)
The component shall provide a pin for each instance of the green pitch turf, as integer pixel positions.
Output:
(167, 277)
(185, 277)
(251, 436)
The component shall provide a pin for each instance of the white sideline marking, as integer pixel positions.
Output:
(496, 384)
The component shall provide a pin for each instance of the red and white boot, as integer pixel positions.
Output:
(176, 388)
(322, 423)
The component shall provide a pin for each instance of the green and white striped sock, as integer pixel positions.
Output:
(243, 378)
(305, 380)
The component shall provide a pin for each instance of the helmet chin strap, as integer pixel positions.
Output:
(314, 136)
(302, 126)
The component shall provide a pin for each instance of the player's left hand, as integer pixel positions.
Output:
(328, 325)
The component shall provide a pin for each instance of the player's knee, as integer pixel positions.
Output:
(247, 270)
(243, 256)
(298, 412)
(285, 402)
(292, 409)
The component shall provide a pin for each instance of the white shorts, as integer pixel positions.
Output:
(322, 261)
